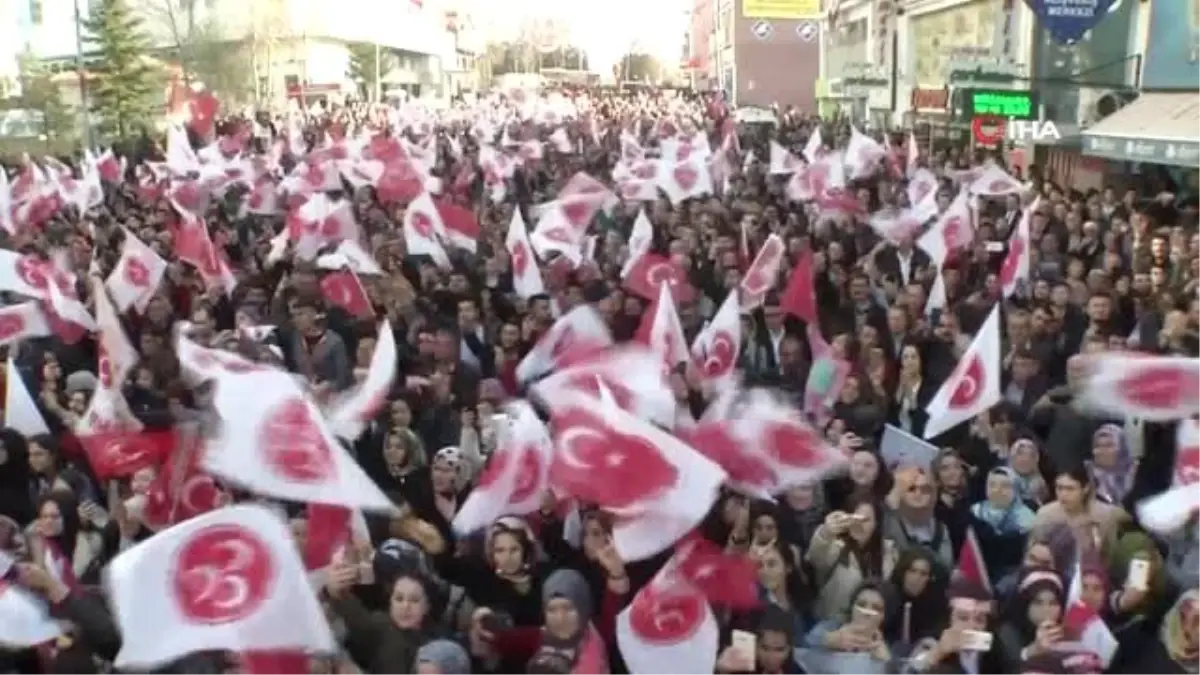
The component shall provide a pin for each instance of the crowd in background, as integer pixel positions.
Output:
(860, 562)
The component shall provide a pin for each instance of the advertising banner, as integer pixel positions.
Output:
(1171, 50)
(1067, 20)
(781, 9)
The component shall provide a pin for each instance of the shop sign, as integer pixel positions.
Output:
(859, 75)
(1007, 103)
(930, 99)
(1152, 151)
(971, 65)
(1068, 20)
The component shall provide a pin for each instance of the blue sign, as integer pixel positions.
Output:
(1067, 20)
(1143, 150)
(1171, 49)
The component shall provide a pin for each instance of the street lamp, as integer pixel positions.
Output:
(79, 69)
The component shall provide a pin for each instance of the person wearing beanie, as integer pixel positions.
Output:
(443, 657)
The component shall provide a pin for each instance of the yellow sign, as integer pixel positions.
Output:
(781, 9)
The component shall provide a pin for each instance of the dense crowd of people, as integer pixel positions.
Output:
(978, 552)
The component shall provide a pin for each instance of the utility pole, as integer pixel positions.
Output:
(82, 73)
(378, 75)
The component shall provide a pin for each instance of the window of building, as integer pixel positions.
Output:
(35, 12)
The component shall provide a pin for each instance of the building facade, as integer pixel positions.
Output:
(1151, 127)
(768, 51)
(293, 46)
(700, 59)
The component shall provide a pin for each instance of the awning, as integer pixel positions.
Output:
(1156, 128)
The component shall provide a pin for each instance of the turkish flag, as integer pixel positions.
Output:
(343, 288)
(651, 271)
(122, 453)
(800, 298)
(203, 108)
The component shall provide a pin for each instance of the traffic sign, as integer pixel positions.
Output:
(807, 30)
(762, 30)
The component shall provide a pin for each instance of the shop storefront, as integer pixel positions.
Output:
(935, 37)
(1159, 127)
(844, 45)
(930, 119)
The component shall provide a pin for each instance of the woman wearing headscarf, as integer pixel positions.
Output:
(1034, 622)
(396, 465)
(1024, 458)
(1177, 647)
(436, 492)
(1112, 466)
(910, 520)
(506, 576)
(1001, 522)
(571, 638)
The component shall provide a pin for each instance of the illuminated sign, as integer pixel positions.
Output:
(1010, 104)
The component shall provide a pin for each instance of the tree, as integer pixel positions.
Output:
(512, 57)
(204, 51)
(39, 92)
(568, 58)
(363, 68)
(125, 85)
(639, 67)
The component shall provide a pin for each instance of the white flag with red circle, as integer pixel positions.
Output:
(631, 374)
(275, 442)
(579, 330)
(715, 350)
(1015, 268)
(1153, 388)
(516, 476)
(685, 180)
(994, 182)
(782, 161)
(20, 411)
(1166, 512)
(25, 320)
(973, 386)
(349, 413)
(763, 274)
(527, 278)
(229, 580)
(764, 445)
(657, 487)
(669, 627)
(424, 230)
(662, 331)
(137, 274)
(950, 232)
